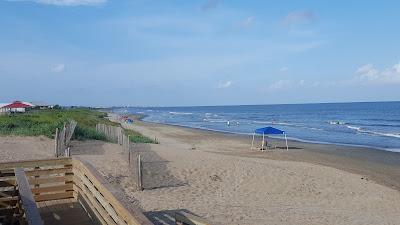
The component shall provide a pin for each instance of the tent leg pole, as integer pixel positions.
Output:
(287, 147)
(262, 145)
(252, 142)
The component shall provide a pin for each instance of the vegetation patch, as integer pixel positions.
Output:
(45, 122)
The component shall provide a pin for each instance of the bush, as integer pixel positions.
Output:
(87, 133)
(45, 122)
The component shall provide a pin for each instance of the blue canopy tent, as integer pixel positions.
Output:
(265, 131)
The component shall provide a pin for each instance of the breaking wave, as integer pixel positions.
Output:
(180, 113)
(360, 130)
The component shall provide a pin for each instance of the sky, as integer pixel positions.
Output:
(199, 52)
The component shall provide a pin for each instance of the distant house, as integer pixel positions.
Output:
(16, 106)
(41, 105)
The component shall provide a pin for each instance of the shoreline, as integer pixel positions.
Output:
(373, 164)
(394, 150)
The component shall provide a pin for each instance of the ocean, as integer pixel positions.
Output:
(372, 124)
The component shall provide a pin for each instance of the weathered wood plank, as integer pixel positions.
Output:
(28, 202)
(60, 188)
(36, 163)
(90, 210)
(10, 198)
(42, 172)
(95, 206)
(7, 173)
(93, 191)
(48, 197)
(47, 180)
(128, 213)
(7, 183)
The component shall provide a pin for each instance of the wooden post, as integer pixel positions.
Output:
(56, 144)
(65, 134)
(129, 143)
(140, 181)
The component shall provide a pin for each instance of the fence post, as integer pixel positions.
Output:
(128, 148)
(140, 184)
(56, 144)
(67, 152)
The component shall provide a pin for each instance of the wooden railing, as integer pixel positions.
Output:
(50, 179)
(92, 187)
(64, 178)
(29, 207)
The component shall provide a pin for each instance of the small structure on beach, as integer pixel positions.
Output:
(268, 131)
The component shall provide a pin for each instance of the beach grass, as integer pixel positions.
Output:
(137, 137)
(45, 122)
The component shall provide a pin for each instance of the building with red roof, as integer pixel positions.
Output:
(16, 106)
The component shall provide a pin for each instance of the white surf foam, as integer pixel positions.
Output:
(360, 130)
(180, 113)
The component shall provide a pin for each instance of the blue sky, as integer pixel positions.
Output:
(200, 52)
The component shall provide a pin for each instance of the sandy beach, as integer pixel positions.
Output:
(218, 177)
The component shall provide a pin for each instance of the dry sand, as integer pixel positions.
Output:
(236, 189)
(219, 178)
(13, 148)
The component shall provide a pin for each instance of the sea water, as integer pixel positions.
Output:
(372, 124)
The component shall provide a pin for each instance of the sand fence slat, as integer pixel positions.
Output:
(63, 139)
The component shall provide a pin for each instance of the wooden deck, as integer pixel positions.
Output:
(61, 191)
(63, 212)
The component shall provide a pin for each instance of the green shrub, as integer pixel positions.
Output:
(88, 133)
(45, 122)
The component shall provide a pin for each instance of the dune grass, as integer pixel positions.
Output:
(45, 122)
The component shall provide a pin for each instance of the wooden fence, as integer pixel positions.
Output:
(116, 135)
(57, 179)
(63, 138)
(113, 133)
(135, 169)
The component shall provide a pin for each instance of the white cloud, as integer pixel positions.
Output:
(59, 68)
(369, 74)
(225, 84)
(286, 84)
(65, 2)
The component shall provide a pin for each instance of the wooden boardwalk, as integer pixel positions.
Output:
(63, 212)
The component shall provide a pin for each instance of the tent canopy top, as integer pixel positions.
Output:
(268, 130)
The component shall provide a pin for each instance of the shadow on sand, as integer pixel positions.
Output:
(155, 169)
(165, 217)
(87, 148)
